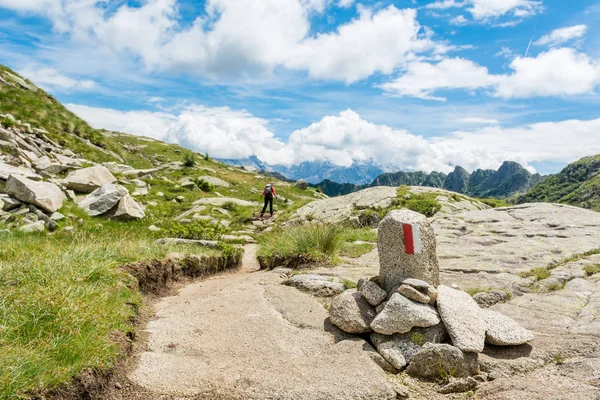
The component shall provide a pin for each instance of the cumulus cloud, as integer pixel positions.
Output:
(489, 10)
(242, 38)
(562, 35)
(50, 78)
(557, 72)
(479, 121)
(346, 138)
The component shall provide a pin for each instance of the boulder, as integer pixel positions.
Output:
(501, 330)
(117, 168)
(187, 183)
(87, 180)
(9, 203)
(378, 359)
(213, 181)
(301, 184)
(6, 170)
(433, 295)
(52, 167)
(488, 299)
(400, 315)
(45, 195)
(411, 293)
(417, 284)
(318, 285)
(373, 293)
(434, 360)
(102, 199)
(463, 319)
(351, 312)
(389, 351)
(38, 226)
(407, 249)
(126, 209)
(459, 385)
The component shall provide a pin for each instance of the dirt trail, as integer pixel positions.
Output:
(245, 336)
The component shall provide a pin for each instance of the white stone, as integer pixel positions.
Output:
(45, 195)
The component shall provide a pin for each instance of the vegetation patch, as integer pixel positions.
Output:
(592, 269)
(348, 284)
(196, 230)
(494, 203)
(355, 250)
(539, 273)
(423, 203)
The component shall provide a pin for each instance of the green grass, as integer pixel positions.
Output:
(316, 241)
(355, 250)
(473, 291)
(538, 272)
(494, 203)
(592, 269)
(423, 203)
(61, 298)
(348, 284)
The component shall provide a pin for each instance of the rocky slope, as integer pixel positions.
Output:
(578, 185)
(510, 179)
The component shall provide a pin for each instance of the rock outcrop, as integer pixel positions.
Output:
(88, 179)
(351, 312)
(45, 195)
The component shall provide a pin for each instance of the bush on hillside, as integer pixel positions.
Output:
(7, 123)
(189, 161)
(205, 186)
(197, 230)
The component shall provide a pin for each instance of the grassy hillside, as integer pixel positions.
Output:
(578, 185)
(63, 296)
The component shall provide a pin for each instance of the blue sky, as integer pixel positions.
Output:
(411, 85)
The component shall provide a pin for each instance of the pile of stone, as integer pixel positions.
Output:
(431, 330)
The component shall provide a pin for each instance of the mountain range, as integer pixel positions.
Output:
(509, 180)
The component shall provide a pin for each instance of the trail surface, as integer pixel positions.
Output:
(246, 336)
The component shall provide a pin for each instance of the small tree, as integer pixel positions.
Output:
(206, 157)
(189, 161)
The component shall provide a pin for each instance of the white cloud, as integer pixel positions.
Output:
(487, 10)
(479, 121)
(50, 78)
(562, 35)
(557, 72)
(347, 138)
(242, 38)
(459, 20)
(422, 79)
(345, 3)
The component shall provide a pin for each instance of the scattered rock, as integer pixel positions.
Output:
(378, 359)
(435, 359)
(38, 226)
(154, 228)
(126, 209)
(395, 264)
(388, 349)
(8, 203)
(488, 299)
(103, 199)
(187, 183)
(417, 284)
(411, 293)
(57, 216)
(400, 315)
(214, 181)
(87, 180)
(504, 331)
(45, 195)
(373, 293)
(301, 184)
(401, 391)
(361, 283)
(433, 295)
(463, 319)
(318, 285)
(459, 386)
(351, 312)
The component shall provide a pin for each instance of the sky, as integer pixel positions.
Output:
(405, 84)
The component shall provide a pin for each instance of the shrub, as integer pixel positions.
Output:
(205, 186)
(348, 284)
(197, 230)
(189, 161)
(423, 203)
(592, 269)
(206, 157)
(7, 122)
(314, 242)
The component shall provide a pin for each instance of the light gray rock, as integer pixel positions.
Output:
(102, 199)
(351, 312)
(388, 349)
(459, 386)
(301, 184)
(154, 228)
(38, 226)
(51, 167)
(435, 359)
(56, 216)
(319, 285)
(361, 283)
(504, 331)
(378, 359)
(400, 315)
(214, 181)
(9, 203)
(45, 195)
(395, 265)
(411, 293)
(417, 284)
(488, 299)
(127, 209)
(6, 170)
(373, 293)
(433, 295)
(87, 180)
(220, 201)
(117, 168)
(463, 319)
(187, 183)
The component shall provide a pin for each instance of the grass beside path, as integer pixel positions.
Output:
(61, 297)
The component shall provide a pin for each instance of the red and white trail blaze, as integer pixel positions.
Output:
(412, 238)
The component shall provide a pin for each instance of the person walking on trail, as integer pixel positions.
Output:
(269, 194)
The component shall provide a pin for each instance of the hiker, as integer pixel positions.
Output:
(269, 193)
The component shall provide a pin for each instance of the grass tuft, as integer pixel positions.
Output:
(592, 269)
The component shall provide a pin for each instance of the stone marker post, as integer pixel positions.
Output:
(407, 249)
